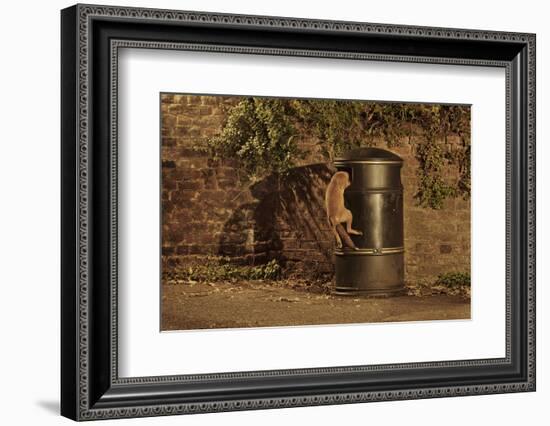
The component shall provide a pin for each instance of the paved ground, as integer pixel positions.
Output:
(256, 304)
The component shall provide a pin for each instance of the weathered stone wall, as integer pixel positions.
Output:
(207, 210)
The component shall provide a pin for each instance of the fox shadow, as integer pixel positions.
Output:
(285, 220)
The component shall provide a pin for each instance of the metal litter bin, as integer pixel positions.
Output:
(375, 198)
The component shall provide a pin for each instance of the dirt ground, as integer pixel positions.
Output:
(260, 304)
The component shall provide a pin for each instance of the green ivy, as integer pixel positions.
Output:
(261, 133)
(258, 133)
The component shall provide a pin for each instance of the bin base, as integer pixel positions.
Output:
(372, 292)
(364, 273)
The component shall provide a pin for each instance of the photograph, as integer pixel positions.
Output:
(283, 212)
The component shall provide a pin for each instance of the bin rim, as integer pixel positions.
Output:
(369, 155)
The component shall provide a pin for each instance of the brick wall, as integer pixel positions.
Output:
(207, 210)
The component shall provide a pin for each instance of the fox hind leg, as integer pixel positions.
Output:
(349, 230)
(333, 224)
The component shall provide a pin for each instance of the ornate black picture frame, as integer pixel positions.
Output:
(91, 387)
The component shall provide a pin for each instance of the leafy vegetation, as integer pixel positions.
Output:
(451, 283)
(261, 134)
(454, 279)
(215, 269)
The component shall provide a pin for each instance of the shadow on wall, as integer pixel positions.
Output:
(286, 221)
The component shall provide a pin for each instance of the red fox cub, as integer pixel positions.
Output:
(336, 210)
